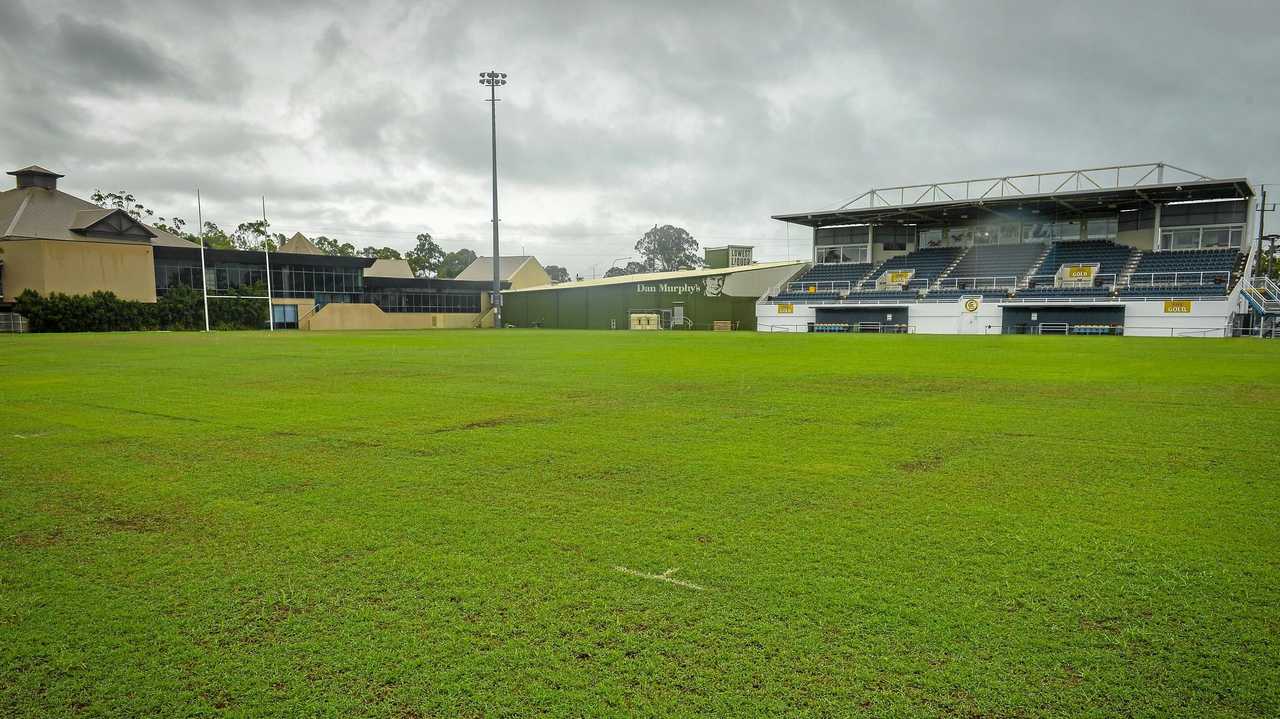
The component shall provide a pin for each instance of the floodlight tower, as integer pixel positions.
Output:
(494, 80)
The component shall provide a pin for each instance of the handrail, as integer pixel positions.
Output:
(1175, 278)
(953, 283)
(1096, 281)
(823, 286)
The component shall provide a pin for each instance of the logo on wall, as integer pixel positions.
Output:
(1177, 307)
(971, 303)
(714, 286)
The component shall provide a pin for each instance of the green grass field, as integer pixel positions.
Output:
(483, 524)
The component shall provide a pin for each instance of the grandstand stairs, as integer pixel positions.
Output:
(1263, 297)
(1135, 256)
(1035, 266)
(937, 281)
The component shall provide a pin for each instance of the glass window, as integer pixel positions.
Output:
(1215, 237)
(1102, 228)
(1065, 231)
(959, 236)
(931, 237)
(986, 235)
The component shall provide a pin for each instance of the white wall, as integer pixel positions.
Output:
(1143, 318)
(1147, 318)
(949, 318)
(768, 319)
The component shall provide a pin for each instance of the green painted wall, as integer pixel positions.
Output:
(717, 257)
(595, 307)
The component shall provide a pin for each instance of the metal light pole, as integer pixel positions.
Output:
(493, 80)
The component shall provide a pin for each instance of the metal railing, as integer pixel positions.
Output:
(1262, 294)
(1206, 277)
(1093, 178)
(1102, 279)
(13, 322)
(825, 286)
(973, 283)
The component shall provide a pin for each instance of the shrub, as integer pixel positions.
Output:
(179, 309)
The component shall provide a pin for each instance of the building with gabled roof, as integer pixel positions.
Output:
(51, 241)
(519, 270)
(56, 242)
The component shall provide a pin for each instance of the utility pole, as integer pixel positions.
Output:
(493, 80)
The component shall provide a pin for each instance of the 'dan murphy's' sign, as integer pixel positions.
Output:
(711, 287)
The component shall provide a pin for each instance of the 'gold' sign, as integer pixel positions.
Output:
(1080, 272)
(900, 277)
(786, 308)
(1177, 307)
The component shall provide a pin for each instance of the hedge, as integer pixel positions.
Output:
(181, 308)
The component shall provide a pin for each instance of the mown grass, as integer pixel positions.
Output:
(431, 524)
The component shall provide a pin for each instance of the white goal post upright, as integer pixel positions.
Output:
(266, 239)
(204, 281)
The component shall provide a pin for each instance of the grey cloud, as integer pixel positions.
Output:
(99, 55)
(331, 44)
(713, 115)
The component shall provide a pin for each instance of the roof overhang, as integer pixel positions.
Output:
(1048, 205)
(253, 257)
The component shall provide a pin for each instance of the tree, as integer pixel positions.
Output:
(332, 247)
(631, 268)
(668, 248)
(455, 262)
(425, 257)
(124, 200)
(254, 236)
(381, 253)
(557, 273)
(214, 237)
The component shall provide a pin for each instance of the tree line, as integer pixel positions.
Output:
(664, 248)
(426, 259)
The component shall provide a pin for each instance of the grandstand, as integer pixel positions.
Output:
(1133, 249)
(1186, 273)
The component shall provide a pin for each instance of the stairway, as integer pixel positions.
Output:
(1035, 266)
(1135, 256)
(1262, 295)
(937, 281)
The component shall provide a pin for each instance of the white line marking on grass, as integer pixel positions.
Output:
(664, 577)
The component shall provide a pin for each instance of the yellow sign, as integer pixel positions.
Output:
(971, 304)
(1080, 272)
(786, 308)
(1177, 307)
(812, 289)
(899, 277)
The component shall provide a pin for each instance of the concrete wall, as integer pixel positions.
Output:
(1149, 318)
(359, 316)
(1141, 239)
(949, 318)
(1142, 318)
(79, 268)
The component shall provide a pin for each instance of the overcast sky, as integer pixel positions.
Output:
(365, 122)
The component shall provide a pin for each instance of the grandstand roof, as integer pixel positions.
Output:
(1068, 192)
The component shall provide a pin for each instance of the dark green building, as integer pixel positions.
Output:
(688, 299)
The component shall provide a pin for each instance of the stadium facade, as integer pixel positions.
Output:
(1149, 250)
(51, 241)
